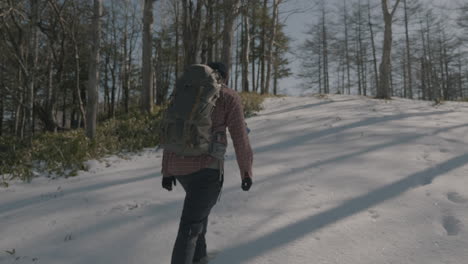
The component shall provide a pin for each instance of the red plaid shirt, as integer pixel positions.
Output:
(228, 112)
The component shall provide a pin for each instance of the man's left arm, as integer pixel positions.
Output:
(237, 129)
(167, 180)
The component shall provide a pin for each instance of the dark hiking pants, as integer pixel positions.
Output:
(202, 191)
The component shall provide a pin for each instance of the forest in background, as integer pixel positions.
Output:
(47, 53)
(344, 49)
(83, 79)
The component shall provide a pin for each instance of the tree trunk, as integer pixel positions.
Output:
(64, 108)
(448, 87)
(18, 110)
(252, 48)
(231, 10)
(191, 31)
(245, 54)
(125, 71)
(34, 50)
(275, 74)
(18, 116)
(408, 54)
(257, 86)
(177, 35)
(348, 64)
(359, 51)
(2, 107)
(423, 80)
(2, 98)
(424, 83)
(77, 83)
(384, 85)
(209, 33)
(405, 78)
(263, 46)
(93, 73)
(238, 47)
(320, 69)
(271, 42)
(432, 81)
(460, 77)
(216, 33)
(326, 84)
(113, 66)
(147, 71)
(113, 88)
(374, 57)
(276, 64)
(106, 85)
(131, 48)
(364, 73)
(48, 117)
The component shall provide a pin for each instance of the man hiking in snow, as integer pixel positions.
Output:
(194, 140)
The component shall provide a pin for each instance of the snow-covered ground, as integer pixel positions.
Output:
(340, 179)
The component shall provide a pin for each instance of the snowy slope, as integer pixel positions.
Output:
(340, 179)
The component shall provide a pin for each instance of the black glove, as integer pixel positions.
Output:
(167, 182)
(246, 182)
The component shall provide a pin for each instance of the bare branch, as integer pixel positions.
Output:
(395, 7)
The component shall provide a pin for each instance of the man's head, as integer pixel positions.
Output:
(220, 68)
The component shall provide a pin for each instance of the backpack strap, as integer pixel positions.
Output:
(188, 123)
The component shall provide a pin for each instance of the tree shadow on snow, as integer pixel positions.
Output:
(243, 252)
(296, 108)
(33, 201)
(300, 140)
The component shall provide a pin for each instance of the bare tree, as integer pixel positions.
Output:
(346, 42)
(2, 98)
(245, 49)
(93, 74)
(408, 73)
(462, 21)
(374, 57)
(192, 25)
(384, 69)
(324, 29)
(271, 42)
(147, 71)
(34, 49)
(231, 11)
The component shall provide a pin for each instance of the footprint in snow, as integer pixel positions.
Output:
(124, 207)
(452, 225)
(128, 206)
(68, 237)
(444, 150)
(52, 223)
(426, 156)
(456, 198)
(451, 140)
(373, 213)
(308, 188)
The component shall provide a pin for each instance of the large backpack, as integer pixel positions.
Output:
(186, 127)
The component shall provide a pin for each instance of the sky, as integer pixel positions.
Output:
(297, 24)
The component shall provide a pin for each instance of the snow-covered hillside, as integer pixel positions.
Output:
(339, 179)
